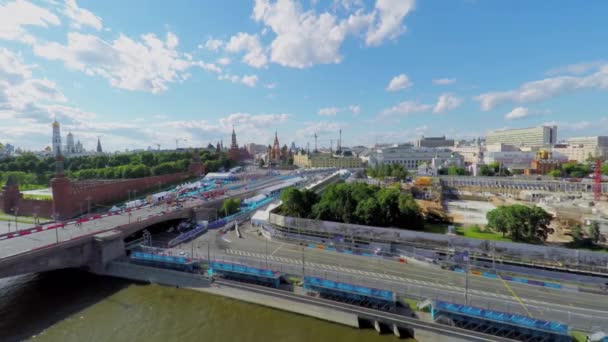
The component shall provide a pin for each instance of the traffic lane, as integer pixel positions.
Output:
(439, 276)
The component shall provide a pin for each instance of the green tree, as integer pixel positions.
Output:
(555, 173)
(577, 233)
(231, 206)
(486, 170)
(456, 171)
(521, 223)
(369, 212)
(605, 169)
(594, 232)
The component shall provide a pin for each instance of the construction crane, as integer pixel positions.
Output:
(177, 143)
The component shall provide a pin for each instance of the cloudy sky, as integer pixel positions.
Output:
(145, 72)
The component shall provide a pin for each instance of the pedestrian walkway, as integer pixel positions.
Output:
(6, 225)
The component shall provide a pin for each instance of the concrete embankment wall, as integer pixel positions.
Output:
(199, 283)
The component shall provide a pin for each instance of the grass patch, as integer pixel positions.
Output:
(437, 228)
(38, 197)
(411, 303)
(20, 219)
(578, 336)
(476, 233)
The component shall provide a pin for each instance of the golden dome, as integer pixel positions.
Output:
(55, 124)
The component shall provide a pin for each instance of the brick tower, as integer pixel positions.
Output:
(62, 191)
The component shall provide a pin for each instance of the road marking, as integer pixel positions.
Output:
(271, 254)
(517, 297)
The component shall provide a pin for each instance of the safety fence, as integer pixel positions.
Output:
(237, 217)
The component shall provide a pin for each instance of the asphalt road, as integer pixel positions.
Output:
(26, 243)
(419, 279)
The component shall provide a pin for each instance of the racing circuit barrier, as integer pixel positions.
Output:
(499, 323)
(528, 254)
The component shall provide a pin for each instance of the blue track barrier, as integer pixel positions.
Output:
(507, 318)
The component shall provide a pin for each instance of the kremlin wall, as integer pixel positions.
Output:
(73, 198)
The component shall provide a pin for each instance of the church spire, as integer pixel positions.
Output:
(99, 149)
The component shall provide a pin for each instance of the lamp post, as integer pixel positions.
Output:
(55, 216)
(16, 213)
(89, 204)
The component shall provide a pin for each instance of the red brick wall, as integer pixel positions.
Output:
(72, 198)
(28, 207)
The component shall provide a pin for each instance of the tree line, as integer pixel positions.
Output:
(356, 203)
(382, 171)
(33, 172)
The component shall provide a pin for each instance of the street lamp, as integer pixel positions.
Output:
(55, 216)
(16, 213)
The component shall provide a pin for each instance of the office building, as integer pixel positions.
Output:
(411, 157)
(581, 148)
(534, 137)
(302, 159)
(434, 142)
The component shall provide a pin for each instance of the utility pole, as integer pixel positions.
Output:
(494, 257)
(16, 212)
(89, 204)
(266, 251)
(303, 265)
(315, 143)
(466, 281)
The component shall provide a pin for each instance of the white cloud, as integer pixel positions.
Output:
(223, 61)
(544, 89)
(81, 17)
(146, 65)
(248, 80)
(517, 113)
(571, 126)
(447, 102)
(577, 69)
(319, 128)
(388, 14)
(246, 120)
(255, 55)
(329, 111)
(444, 81)
(212, 44)
(28, 104)
(271, 85)
(406, 108)
(399, 82)
(15, 15)
(305, 38)
(355, 109)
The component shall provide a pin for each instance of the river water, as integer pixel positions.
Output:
(77, 306)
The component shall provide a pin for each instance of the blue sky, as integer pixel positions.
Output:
(141, 72)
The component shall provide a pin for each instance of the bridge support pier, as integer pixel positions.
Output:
(107, 247)
(378, 326)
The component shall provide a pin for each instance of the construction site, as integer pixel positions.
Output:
(466, 200)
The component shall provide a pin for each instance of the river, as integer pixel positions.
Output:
(76, 306)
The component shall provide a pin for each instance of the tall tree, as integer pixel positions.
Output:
(594, 232)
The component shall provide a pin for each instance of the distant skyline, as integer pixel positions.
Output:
(141, 72)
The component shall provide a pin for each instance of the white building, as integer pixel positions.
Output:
(472, 154)
(56, 142)
(580, 149)
(411, 157)
(534, 137)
